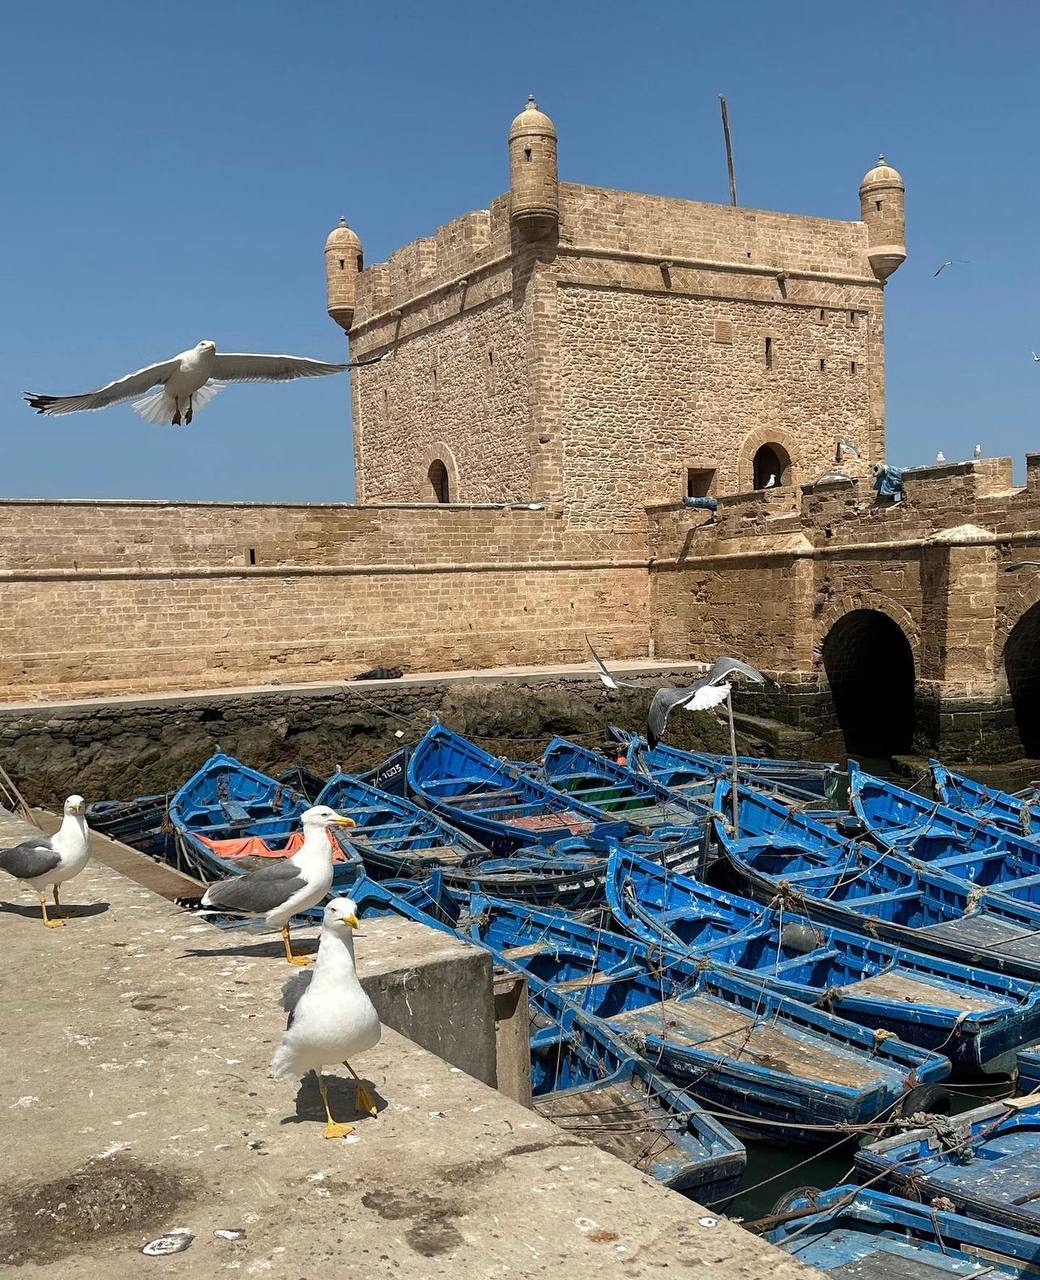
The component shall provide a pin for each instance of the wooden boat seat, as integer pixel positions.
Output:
(985, 932)
(876, 899)
(235, 811)
(617, 1117)
(914, 988)
(521, 953)
(731, 1032)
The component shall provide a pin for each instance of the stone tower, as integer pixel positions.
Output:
(343, 263)
(534, 207)
(881, 201)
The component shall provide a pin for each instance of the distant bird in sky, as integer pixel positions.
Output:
(51, 860)
(189, 381)
(940, 456)
(771, 482)
(1021, 564)
(977, 451)
(709, 691)
(948, 263)
(1035, 356)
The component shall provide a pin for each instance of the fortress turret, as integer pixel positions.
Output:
(533, 175)
(343, 261)
(881, 200)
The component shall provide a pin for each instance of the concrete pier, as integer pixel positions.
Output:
(134, 1099)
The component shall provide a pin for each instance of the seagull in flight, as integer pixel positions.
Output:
(1035, 356)
(709, 691)
(189, 381)
(1015, 565)
(948, 263)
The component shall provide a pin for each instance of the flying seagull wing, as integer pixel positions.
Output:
(238, 366)
(723, 667)
(1021, 564)
(125, 388)
(608, 681)
(706, 697)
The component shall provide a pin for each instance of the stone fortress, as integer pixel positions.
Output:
(562, 369)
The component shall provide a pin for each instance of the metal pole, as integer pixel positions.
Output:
(733, 753)
(729, 150)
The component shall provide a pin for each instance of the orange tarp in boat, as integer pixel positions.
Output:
(255, 847)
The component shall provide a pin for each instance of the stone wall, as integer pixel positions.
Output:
(596, 369)
(775, 582)
(111, 597)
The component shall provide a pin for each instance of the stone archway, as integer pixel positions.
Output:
(870, 669)
(765, 452)
(438, 475)
(1022, 668)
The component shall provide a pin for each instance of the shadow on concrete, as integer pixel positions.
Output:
(71, 912)
(264, 950)
(342, 1100)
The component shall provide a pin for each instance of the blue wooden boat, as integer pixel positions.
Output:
(390, 775)
(695, 772)
(986, 1162)
(229, 819)
(585, 1078)
(141, 823)
(782, 854)
(569, 875)
(928, 831)
(974, 1017)
(1017, 813)
(502, 807)
(858, 1233)
(1028, 1070)
(614, 789)
(587, 1081)
(393, 836)
(753, 1054)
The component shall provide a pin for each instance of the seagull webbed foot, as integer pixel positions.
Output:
(188, 415)
(299, 960)
(364, 1101)
(335, 1130)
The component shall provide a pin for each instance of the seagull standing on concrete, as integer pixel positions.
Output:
(189, 381)
(331, 1019)
(977, 451)
(286, 887)
(51, 860)
(940, 456)
(709, 691)
(771, 482)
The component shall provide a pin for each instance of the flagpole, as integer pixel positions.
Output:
(733, 754)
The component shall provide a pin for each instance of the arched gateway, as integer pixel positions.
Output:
(870, 670)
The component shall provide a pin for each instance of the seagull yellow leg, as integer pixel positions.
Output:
(332, 1129)
(365, 1101)
(287, 944)
(58, 911)
(191, 410)
(51, 924)
(176, 419)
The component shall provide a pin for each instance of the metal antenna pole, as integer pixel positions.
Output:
(729, 150)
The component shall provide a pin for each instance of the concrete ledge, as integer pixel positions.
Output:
(136, 1099)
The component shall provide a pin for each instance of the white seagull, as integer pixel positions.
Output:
(771, 482)
(51, 860)
(940, 456)
(189, 381)
(704, 693)
(286, 887)
(331, 1018)
(977, 451)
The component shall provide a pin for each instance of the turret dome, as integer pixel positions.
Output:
(882, 175)
(531, 120)
(342, 237)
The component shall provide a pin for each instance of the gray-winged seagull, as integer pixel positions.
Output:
(289, 885)
(331, 1019)
(709, 691)
(51, 860)
(189, 381)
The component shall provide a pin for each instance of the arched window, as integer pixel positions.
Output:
(1023, 675)
(771, 467)
(440, 488)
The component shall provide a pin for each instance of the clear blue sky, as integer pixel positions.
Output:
(171, 172)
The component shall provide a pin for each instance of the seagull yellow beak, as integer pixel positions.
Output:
(345, 822)
(353, 921)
